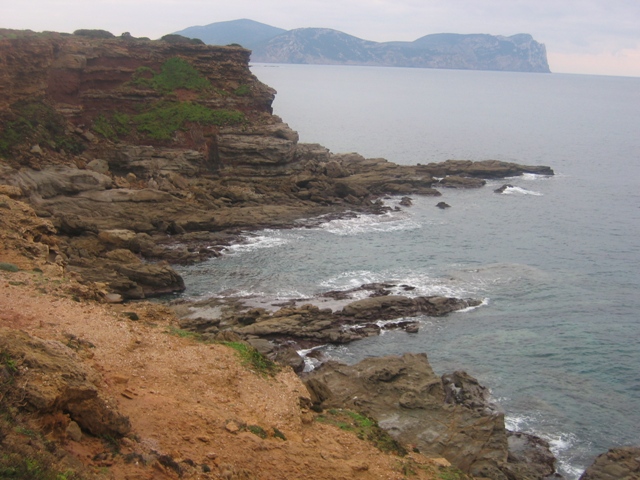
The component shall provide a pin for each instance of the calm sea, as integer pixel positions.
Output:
(557, 259)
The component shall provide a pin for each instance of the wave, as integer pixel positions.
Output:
(561, 444)
(423, 284)
(521, 191)
(256, 242)
(388, 222)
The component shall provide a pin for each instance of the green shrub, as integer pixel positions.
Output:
(164, 119)
(9, 267)
(364, 428)
(112, 127)
(252, 358)
(34, 122)
(178, 73)
(257, 430)
(242, 90)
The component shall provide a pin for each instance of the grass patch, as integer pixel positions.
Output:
(363, 427)
(178, 332)
(452, 473)
(253, 359)
(113, 126)
(17, 466)
(34, 122)
(175, 73)
(257, 430)
(162, 120)
(178, 73)
(278, 434)
(242, 90)
(9, 267)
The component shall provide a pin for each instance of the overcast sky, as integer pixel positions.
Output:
(581, 36)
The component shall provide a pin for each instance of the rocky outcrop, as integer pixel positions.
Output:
(173, 142)
(483, 169)
(449, 416)
(51, 378)
(312, 323)
(621, 463)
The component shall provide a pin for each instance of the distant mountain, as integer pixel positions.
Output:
(519, 53)
(247, 33)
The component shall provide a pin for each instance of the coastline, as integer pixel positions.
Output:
(172, 201)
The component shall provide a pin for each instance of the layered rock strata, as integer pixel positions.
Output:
(139, 151)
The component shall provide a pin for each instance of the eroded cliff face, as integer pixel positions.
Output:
(141, 150)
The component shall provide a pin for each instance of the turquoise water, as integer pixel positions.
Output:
(557, 259)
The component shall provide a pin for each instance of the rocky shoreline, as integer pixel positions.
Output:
(123, 156)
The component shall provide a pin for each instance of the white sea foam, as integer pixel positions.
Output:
(535, 176)
(310, 363)
(387, 222)
(560, 443)
(485, 302)
(424, 285)
(257, 242)
(520, 191)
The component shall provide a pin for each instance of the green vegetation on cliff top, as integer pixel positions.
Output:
(161, 120)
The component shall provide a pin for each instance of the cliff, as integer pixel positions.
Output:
(116, 153)
(518, 53)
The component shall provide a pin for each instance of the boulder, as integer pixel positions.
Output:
(621, 463)
(452, 418)
(503, 188)
(59, 180)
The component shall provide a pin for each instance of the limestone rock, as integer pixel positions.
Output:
(53, 181)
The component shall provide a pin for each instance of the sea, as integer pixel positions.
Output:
(555, 259)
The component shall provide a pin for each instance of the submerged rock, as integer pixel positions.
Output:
(503, 188)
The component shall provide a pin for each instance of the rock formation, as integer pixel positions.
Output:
(138, 150)
(449, 416)
(132, 152)
(53, 380)
(622, 463)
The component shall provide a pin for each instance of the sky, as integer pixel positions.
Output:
(599, 37)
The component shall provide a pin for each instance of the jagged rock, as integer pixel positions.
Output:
(53, 181)
(621, 463)
(54, 379)
(409, 401)
(503, 188)
(269, 145)
(397, 306)
(406, 202)
(530, 457)
(288, 355)
(455, 181)
(462, 389)
(98, 166)
(483, 169)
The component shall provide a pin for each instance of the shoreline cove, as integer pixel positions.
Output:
(133, 170)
